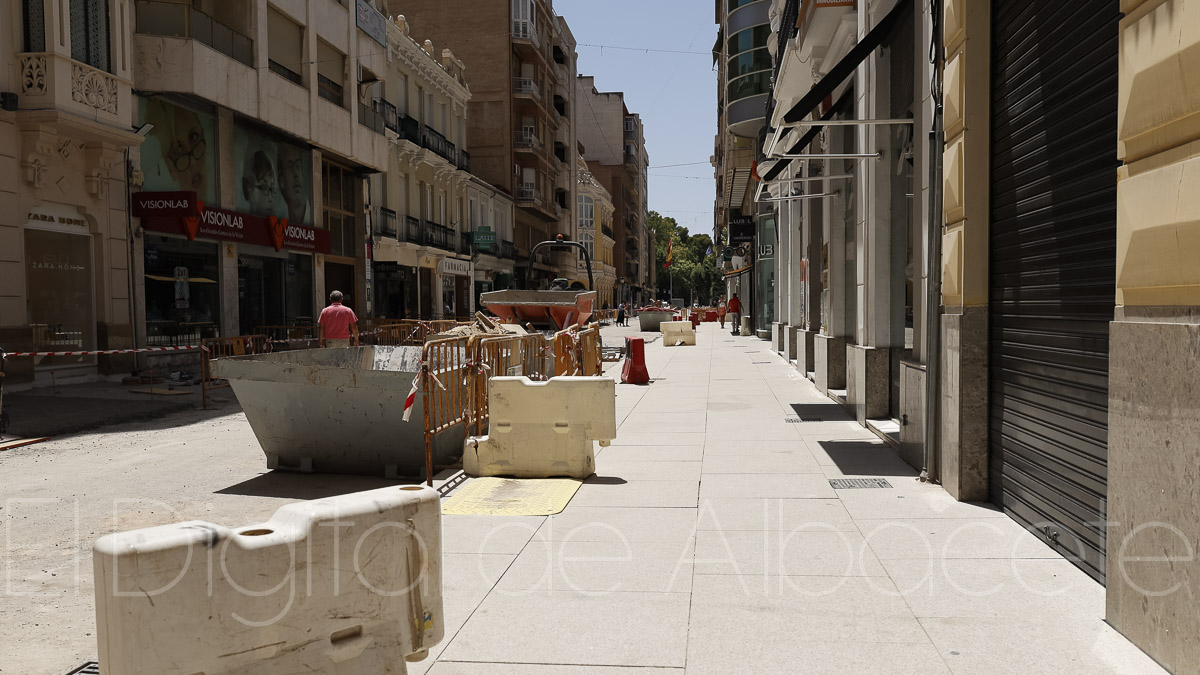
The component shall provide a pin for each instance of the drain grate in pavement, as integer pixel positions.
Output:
(89, 668)
(857, 483)
(798, 420)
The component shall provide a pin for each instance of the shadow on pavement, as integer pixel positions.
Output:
(605, 480)
(72, 409)
(826, 412)
(864, 458)
(294, 485)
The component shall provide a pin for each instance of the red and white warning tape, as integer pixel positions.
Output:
(104, 352)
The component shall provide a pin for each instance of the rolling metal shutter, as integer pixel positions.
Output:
(1052, 267)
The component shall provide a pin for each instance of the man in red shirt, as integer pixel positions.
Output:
(338, 323)
(735, 313)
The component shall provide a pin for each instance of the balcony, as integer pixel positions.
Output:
(412, 230)
(631, 160)
(527, 86)
(388, 222)
(464, 160)
(507, 250)
(526, 140)
(528, 193)
(369, 117)
(169, 19)
(439, 236)
(408, 128)
(524, 31)
(437, 143)
(608, 231)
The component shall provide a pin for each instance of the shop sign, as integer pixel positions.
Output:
(371, 22)
(454, 266)
(741, 230)
(165, 204)
(161, 212)
(766, 251)
(484, 236)
(56, 214)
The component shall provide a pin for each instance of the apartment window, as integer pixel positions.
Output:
(588, 241)
(35, 25)
(473, 223)
(419, 103)
(338, 185)
(587, 213)
(331, 73)
(629, 125)
(442, 207)
(402, 95)
(285, 45)
(89, 32)
(445, 129)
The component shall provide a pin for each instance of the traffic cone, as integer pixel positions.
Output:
(634, 369)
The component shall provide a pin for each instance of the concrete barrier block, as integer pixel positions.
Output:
(349, 584)
(543, 429)
(678, 333)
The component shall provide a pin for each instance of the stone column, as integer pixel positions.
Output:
(964, 368)
(1154, 351)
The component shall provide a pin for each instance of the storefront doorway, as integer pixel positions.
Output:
(395, 291)
(339, 277)
(62, 306)
(274, 291)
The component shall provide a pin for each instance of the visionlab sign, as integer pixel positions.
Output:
(181, 213)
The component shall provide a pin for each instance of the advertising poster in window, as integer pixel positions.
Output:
(273, 178)
(180, 152)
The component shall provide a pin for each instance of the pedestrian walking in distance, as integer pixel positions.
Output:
(721, 309)
(735, 313)
(338, 323)
(621, 314)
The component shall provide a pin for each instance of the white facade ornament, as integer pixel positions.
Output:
(94, 88)
(33, 75)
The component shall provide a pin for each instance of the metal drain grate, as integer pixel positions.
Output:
(857, 483)
(798, 420)
(89, 668)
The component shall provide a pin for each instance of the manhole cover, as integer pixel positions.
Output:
(856, 483)
(89, 668)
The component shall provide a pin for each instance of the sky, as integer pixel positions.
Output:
(675, 93)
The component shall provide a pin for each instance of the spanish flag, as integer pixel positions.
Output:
(670, 253)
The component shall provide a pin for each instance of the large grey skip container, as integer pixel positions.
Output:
(338, 410)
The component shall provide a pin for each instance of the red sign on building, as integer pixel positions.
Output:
(181, 213)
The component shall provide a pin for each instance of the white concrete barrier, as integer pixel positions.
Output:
(544, 429)
(345, 585)
(678, 333)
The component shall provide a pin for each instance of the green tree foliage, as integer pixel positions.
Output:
(695, 274)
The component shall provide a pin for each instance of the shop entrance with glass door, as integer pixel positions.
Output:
(62, 306)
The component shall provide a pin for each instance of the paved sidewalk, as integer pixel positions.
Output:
(710, 541)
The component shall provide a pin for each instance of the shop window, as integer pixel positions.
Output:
(89, 32)
(183, 299)
(274, 178)
(180, 152)
(61, 300)
(339, 191)
(275, 291)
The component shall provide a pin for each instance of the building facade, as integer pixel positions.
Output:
(980, 250)
(743, 64)
(615, 150)
(68, 123)
(421, 206)
(521, 116)
(595, 209)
